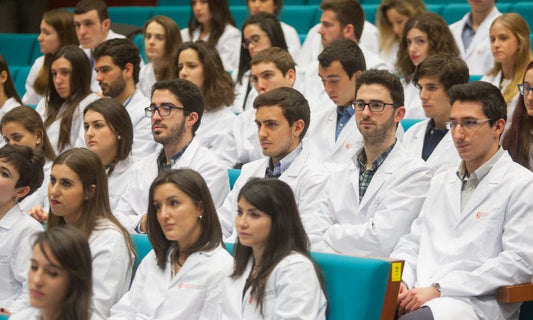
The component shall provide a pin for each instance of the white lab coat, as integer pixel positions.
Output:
(240, 93)
(76, 130)
(312, 45)
(17, 231)
(228, 45)
(215, 125)
(478, 57)
(496, 80)
(292, 291)
(412, 102)
(112, 270)
(27, 314)
(143, 141)
(392, 201)
(390, 56)
(443, 156)
(146, 79)
(118, 181)
(40, 196)
(195, 292)
(472, 252)
(307, 179)
(134, 202)
(291, 38)
(31, 97)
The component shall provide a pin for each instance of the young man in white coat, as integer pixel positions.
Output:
(269, 69)
(375, 196)
(176, 110)
(117, 72)
(431, 139)
(282, 117)
(333, 135)
(473, 234)
(471, 34)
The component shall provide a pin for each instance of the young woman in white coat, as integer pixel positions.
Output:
(511, 48)
(78, 196)
(390, 19)
(20, 175)
(59, 277)
(162, 37)
(422, 36)
(518, 139)
(199, 63)
(67, 94)
(274, 276)
(260, 31)
(57, 30)
(23, 126)
(9, 97)
(109, 134)
(212, 22)
(181, 278)
(274, 7)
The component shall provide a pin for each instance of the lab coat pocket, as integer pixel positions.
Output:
(488, 226)
(269, 304)
(189, 296)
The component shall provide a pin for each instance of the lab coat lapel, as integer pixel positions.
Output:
(453, 194)
(384, 172)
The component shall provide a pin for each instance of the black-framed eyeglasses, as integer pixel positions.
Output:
(163, 109)
(466, 124)
(524, 89)
(374, 106)
(253, 40)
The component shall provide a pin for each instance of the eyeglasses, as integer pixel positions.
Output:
(467, 124)
(524, 89)
(374, 106)
(253, 40)
(163, 110)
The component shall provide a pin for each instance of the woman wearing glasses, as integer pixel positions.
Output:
(518, 139)
(260, 31)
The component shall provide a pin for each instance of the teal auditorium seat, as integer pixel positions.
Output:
(13, 71)
(138, 40)
(285, 2)
(17, 49)
(408, 123)
(233, 174)
(435, 8)
(130, 15)
(2, 317)
(475, 77)
(20, 80)
(300, 17)
(370, 12)
(173, 2)
(142, 246)
(454, 11)
(180, 14)
(525, 9)
(240, 14)
(531, 40)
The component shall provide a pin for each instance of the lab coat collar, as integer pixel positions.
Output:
(192, 261)
(11, 217)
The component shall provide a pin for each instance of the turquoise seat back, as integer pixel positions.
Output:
(142, 246)
(180, 14)
(233, 174)
(17, 49)
(136, 16)
(2, 317)
(407, 123)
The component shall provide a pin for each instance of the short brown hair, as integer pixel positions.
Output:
(347, 12)
(450, 70)
(85, 6)
(282, 59)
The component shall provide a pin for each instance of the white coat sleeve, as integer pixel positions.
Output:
(31, 97)
(392, 219)
(229, 48)
(407, 249)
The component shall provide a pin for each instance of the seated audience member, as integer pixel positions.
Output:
(390, 19)
(339, 15)
(333, 135)
(117, 71)
(57, 30)
(109, 134)
(282, 118)
(59, 276)
(92, 24)
(188, 261)
(518, 139)
(176, 110)
(79, 197)
(162, 38)
(67, 94)
(259, 32)
(23, 126)
(274, 276)
(212, 22)
(22, 174)
(471, 34)
(423, 36)
(9, 97)
(473, 234)
(341, 19)
(511, 48)
(431, 139)
(274, 7)
(199, 63)
(374, 197)
(270, 68)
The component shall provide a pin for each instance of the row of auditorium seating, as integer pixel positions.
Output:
(303, 2)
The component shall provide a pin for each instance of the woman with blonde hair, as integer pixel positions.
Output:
(511, 48)
(391, 18)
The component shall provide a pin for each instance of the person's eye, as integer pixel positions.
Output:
(34, 266)
(17, 138)
(267, 76)
(239, 212)
(98, 125)
(160, 37)
(174, 203)
(470, 123)
(52, 273)
(254, 214)
(52, 180)
(4, 174)
(157, 207)
(66, 183)
(272, 125)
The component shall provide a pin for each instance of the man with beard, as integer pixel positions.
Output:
(117, 71)
(176, 110)
(374, 198)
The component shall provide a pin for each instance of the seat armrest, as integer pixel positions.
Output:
(515, 293)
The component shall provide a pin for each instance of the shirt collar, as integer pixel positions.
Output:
(286, 162)
(162, 159)
(361, 158)
(482, 171)
(345, 111)
(11, 217)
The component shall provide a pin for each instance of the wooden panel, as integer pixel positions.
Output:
(393, 287)
(517, 293)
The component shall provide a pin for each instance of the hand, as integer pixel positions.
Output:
(4, 312)
(38, 213)
(415, 298)
(401, 295)
(144, 220)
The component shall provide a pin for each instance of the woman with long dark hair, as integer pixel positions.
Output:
(9, 97)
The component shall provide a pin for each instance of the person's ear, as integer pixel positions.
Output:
(106, 24)
(22, 192)
(89, 193)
